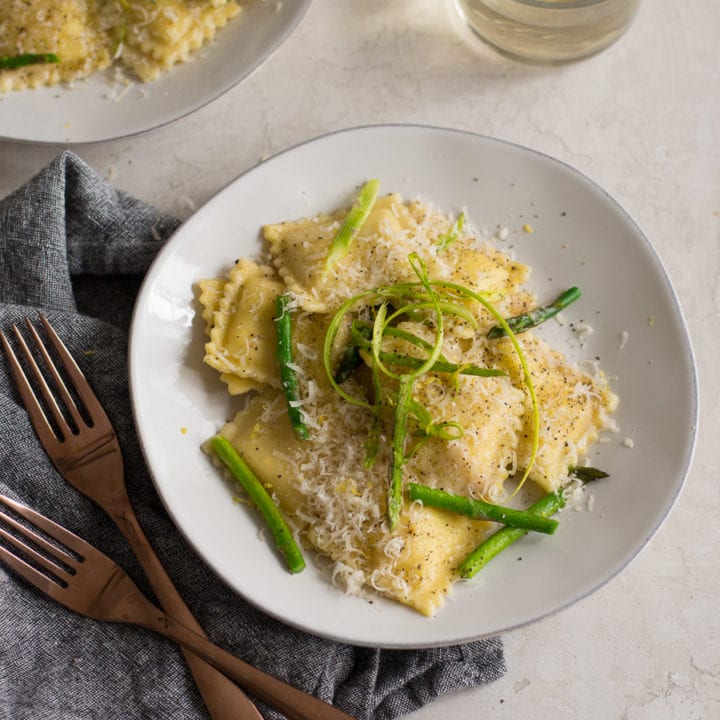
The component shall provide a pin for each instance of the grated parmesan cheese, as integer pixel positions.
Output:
(323, 483)
(145, 37)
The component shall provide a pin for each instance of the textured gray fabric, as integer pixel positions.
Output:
(73, 246)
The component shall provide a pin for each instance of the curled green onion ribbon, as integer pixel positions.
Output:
(462, 291)
(122, 28)
(358, 326)
(427, 427)
(406, 361)
(361, 332)
(405, 390)
(336, 323)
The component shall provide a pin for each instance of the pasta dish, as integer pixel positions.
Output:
(44, 42)
(394, 388)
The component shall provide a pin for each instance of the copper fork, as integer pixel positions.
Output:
(87, 454)
(80, 577)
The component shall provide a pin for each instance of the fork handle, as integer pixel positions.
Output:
(290, 701)
(224, 700)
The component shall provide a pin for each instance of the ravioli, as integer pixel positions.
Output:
(162, 33)
(336, 498)
(414, 565)
(75, 30)
(146, 37)
(242, 345)
(574, 408)
(378, 255)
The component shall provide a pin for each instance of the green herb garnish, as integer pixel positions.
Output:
(13, 62)
(444, 241)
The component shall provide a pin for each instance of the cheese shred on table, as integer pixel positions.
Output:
(323, 484)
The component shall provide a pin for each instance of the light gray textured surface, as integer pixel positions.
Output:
(641, 119)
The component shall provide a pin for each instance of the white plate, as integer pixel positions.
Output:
(99, 108)
(580, 236)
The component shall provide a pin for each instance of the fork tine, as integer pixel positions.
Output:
(79, 381)
(48, 584)
(60, 384)
(33, 576)
(62, 423)
(32, 405)
(53, 550)
(58, 532)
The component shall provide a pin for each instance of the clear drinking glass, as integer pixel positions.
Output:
(548, 31)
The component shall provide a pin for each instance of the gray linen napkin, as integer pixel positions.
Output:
(73, 246)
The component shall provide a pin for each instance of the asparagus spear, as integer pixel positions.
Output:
(282, 534)
(586, 474)
(480, 510)
(521, 323)
(288, 378)
(506, 536)
(349, 363)
(391, 358)
(353, 222)
(12, 62)
(351, 358)
(545, 507)
(399, 433)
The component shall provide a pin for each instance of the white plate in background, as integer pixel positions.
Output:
(580, 236)
(99, 108)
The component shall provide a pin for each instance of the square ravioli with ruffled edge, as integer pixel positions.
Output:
(161, 33)
(470, 414)
(148, 37)
(76, 31)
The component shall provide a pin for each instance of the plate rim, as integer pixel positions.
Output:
(685, 461)
(151, 126)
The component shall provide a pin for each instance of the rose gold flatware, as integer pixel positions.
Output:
(80, 577)
(81, 442)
